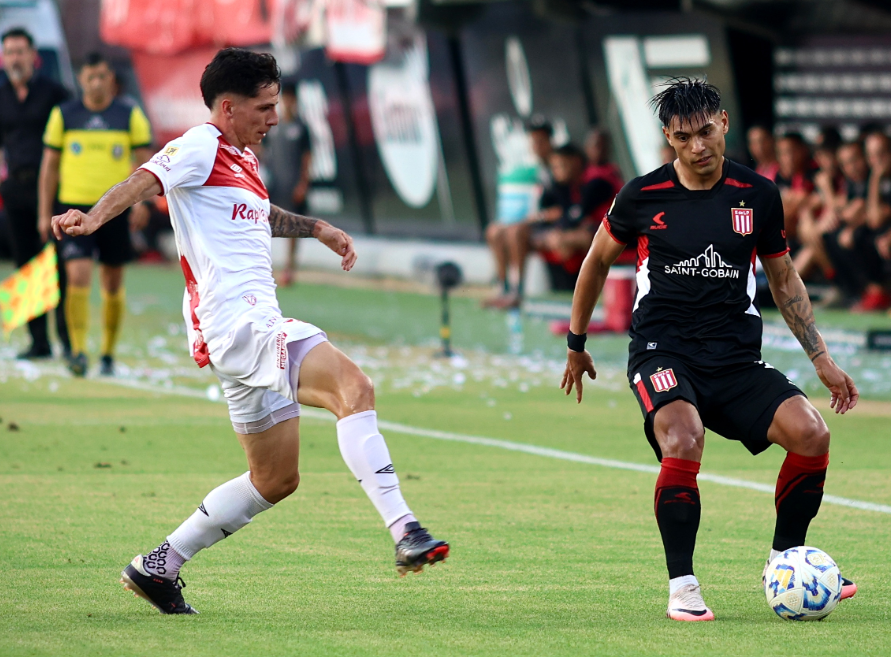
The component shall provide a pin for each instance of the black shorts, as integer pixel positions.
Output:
(110, 245)
(737, 402)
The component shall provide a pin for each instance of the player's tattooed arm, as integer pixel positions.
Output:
(287, 224)
(793, 302)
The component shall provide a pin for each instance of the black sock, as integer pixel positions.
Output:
(677, 513)
(798, 496)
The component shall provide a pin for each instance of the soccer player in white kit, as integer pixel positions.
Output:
(267, 364)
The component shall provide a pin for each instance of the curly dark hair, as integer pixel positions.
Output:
(687, 99)
(239, 71)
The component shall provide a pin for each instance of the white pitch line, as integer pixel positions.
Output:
(535, 450)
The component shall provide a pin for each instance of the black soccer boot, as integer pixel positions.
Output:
(77, 364)
(36, 352)
(166, 595)
(417, 548)
(106, 365)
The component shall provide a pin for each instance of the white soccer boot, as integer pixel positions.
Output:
(686, 604)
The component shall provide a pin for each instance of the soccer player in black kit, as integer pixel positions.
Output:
(695, 354)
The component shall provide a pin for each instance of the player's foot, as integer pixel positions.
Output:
(106, 365)
(849, 588)
(36, 352)
(166, 595)
(417, 548)
(77, 364)
(686, 604)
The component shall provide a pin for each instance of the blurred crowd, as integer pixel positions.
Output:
(837, 205)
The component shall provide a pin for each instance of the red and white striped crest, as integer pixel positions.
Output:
(742, 220)
(663, 380)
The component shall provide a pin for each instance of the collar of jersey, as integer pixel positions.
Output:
(699, 193)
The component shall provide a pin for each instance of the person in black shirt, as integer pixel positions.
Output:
(695, 353)
(26, 100)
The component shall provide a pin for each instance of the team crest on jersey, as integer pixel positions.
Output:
(663, 380)
(743, 222)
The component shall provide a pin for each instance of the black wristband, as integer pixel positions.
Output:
(576, 342)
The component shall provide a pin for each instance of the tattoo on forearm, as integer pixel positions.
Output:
(799, 314)
(287, 224)
(819, 353)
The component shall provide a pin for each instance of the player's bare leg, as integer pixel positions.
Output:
(77, 311)
(330, 380)
(799, 428)
(496, 239)
(678, 430)
(289, 274)
(111, 281)
(517, 237)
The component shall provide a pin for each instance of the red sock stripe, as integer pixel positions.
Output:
(794, 469)
(797, 463)
(678, 472)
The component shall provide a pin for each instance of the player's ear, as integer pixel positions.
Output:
(725, 121)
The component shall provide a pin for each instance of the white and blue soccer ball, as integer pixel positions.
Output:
(802, 583)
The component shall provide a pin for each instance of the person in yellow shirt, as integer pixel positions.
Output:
(90, 145)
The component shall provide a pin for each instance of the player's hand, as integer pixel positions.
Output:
(577, 363)
(844, 392)
(339, 242)
(44, 226)
(74, 223)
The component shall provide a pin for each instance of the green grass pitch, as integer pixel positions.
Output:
(549, 557)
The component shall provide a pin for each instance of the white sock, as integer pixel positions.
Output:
(225, 510)
(397, 529)
(773, 554)
(678, 582)
(366, 455)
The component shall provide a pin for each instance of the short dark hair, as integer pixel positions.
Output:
(797, 137)
(569, 150)
(687, 99)
(239, 71)
(17, 33)
(94, 59)
(829, 138)
(538, 123)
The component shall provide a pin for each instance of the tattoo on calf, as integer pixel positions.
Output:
(287, 224)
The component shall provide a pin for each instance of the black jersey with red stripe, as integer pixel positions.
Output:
(696, 263)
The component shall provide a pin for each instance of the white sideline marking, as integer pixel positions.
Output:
(535, 450)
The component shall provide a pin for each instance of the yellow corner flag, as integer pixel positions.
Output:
(31, 291)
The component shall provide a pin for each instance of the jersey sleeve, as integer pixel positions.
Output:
(140, 129)
(772, 240)
(183, 162)
(54, 135)
(619, 220)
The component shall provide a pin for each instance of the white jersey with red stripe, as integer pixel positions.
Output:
(219, 208)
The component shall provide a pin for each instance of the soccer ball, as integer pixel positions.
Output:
(802, 583)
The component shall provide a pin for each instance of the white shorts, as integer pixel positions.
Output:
(256, 365)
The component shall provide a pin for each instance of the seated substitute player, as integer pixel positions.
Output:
(695, 353)
(267, 364)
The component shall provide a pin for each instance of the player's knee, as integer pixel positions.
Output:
(357, 394)
(812, 437)
(281, 486)
(683, 442)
